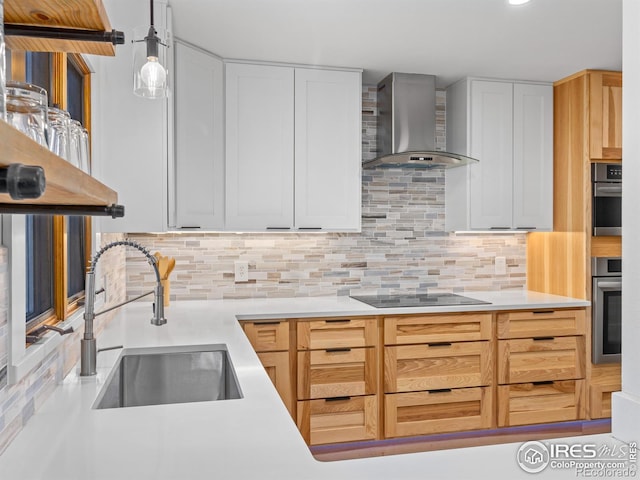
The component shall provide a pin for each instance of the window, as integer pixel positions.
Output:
(57, 248)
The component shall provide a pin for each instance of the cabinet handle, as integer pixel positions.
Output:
(538, 339)
(543, 312)
(335, 350)
(546, 382)
(278, 228)
(338, 320)
(267, 323)
(189, 228)
(337, 399)
(309, 228)
(440, 390)
(499, 228)
(526, 228)
(439, 344)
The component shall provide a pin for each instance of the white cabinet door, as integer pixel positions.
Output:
(259, 147)
(199, 146)
(327, 149)
(533, 156)
(491, 183)
(130, 144)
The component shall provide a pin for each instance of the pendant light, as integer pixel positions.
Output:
(149, 73)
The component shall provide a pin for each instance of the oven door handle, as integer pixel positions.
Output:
(608, 286)
(608, 191)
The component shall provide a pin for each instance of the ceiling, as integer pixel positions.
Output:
(544, 40)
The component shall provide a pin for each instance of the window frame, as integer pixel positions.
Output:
(63, 305)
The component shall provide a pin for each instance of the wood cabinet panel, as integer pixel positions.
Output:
(336, 373)
(545, 402)
(434, 366)
(541, 359)
(268, 336)
(338, 420)
(337, 333)
(605, 99)
(600, 399)
(437, 328)
(278, 368)
(422, 413)
(537, 323)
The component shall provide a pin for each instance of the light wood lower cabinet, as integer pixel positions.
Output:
(414, 329)
(278, 368)
(339, 419)
(541, 359)
(600, 399)
(540, 323)
(336, 372)
(543, 402)
(337, 333)
(409, 368)
(423, 413)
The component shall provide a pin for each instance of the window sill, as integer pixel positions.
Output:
(50, 341)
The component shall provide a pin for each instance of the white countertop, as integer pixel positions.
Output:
(253, 437)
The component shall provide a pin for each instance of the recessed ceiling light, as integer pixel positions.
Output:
(518, 2)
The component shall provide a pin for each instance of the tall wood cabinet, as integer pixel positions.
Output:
(587, 130)
(508, 127)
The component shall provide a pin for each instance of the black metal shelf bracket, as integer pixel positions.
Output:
(115, 37)
(113, 211)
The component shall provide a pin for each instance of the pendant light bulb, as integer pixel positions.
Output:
(150, 76)
(153, 77)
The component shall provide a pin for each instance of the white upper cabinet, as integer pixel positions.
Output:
(259, 147)
(508, 127)
(130, 153)
(328, 146)
(293, 140)
(198, 168)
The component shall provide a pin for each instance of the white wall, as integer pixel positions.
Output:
(626, 404)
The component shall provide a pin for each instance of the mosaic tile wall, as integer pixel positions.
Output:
(402, 246)
(19, 402)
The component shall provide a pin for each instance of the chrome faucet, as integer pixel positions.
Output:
(88, 349)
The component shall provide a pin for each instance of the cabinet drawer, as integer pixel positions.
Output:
(336, 333)
(539, 323)
(268, 336)
(277, 366)
(542, 402)
(600, 399)
(437, 328)
(411, 368)
(423, 413)
(336, 373)
(347, 419)
(541, 359)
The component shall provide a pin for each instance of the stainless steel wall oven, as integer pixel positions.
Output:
(606, 309)
(607, 198)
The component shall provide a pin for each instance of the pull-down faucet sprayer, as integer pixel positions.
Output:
(88, 350)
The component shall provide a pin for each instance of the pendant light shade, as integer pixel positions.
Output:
(150, 77)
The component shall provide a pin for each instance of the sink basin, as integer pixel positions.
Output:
(162, 375)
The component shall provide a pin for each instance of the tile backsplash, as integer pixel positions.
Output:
(402, 246)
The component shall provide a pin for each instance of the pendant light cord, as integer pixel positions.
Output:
(151, 9)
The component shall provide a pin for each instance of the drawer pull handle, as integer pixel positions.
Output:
(337, 320)
(440, 390)
(439, 344)
(538, 339)
(543, 312)
(267, 323)
(337, 399)
(546, 382)
(335, 350)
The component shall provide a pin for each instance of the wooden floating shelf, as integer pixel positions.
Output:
(87, 15)
(66, 184)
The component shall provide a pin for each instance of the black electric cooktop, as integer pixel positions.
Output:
(417, 300)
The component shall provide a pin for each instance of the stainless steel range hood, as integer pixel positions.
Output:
(406, 131)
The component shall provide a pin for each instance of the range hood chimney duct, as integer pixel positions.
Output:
(406, 131)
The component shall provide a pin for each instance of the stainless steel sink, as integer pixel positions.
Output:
(161, 375)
